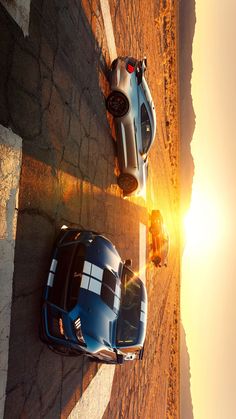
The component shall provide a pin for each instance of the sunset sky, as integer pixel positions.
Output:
(208, 295)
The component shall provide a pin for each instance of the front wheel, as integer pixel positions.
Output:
(156, 261)
(117, 104)
(127, 183)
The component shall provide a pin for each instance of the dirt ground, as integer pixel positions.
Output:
(151, 389)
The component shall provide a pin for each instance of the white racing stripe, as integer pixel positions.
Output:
(142, 316)
(143, 306)
(95, 399)
(142, 252)
(97, 272)
(95, 286)
(50, 279)
(53, 265)
(105, 8)
(92, 281)
(87, 267)
(85, 282)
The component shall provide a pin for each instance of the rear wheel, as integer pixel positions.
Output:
(117, 104)
(127, 182)
(156, 260)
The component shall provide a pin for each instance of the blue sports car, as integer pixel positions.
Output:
(93, 303)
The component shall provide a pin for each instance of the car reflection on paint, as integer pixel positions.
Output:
(93, 303)
(160, 240)
(132, 107)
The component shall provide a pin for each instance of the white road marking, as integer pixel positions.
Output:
(106, 14)
(142, 252)
(95, 399)
(20, 12)
(10, 165)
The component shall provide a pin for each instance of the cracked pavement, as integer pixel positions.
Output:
(52, 88)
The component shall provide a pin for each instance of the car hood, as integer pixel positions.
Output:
(99, 294)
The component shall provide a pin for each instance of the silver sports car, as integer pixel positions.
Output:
(132, 107)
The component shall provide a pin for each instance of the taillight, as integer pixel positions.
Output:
(130, 68)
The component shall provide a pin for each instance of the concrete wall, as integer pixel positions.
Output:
(10, 165)
(19, 11)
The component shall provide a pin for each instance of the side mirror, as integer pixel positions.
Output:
(141, 353)
(128, 262)
(120, 358)
(143, 155)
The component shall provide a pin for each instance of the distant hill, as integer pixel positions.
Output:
(186, 407)
(187, 20)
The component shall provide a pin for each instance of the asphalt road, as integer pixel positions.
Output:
(52, 95)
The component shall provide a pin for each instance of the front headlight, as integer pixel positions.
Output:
(78, 331)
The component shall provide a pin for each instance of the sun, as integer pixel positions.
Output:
(202, 222)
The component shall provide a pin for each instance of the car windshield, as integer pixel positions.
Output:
(129, 314)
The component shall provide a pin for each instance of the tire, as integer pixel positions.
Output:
(127, 183)
(156, 260)
(117, 104)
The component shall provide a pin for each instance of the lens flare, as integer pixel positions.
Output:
(202, 223)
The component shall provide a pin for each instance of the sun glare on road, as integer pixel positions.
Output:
(201, 223)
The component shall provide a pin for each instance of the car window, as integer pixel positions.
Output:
(146, 129)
